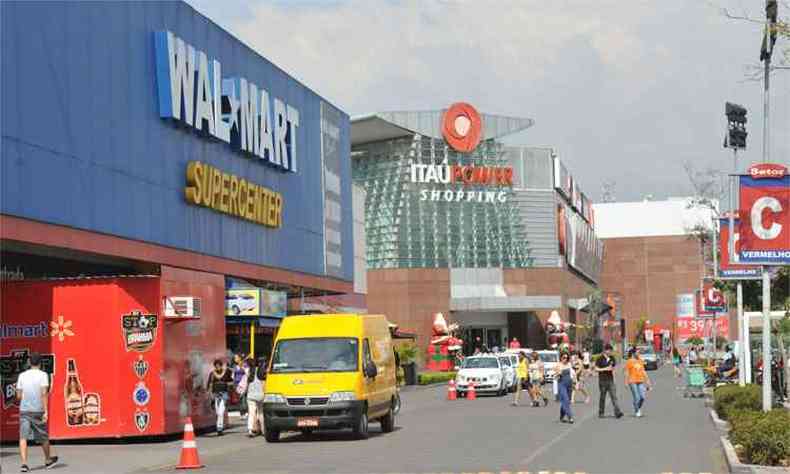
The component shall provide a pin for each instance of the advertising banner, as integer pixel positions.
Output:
(583, 251)
(685, 305)
(275, 303)
(712, 298)
(243, 302)
(562, 179)
(702, 327)
(765, 216)
(731, 269)
(101, 345)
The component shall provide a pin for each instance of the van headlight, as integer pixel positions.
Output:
(342, 397)
(273, 398)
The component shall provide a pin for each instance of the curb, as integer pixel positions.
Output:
(737, 467)
(721, 425)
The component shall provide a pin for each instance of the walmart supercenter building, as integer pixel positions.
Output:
(150, 155)
(495, 236)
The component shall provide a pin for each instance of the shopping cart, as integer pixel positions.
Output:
(695, 382)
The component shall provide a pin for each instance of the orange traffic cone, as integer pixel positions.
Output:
(189, 453)
(451, 393)
(471, 394)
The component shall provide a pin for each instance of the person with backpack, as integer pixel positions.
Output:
(256, 384)
(220, 382)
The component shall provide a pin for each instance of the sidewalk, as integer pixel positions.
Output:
(129, 457)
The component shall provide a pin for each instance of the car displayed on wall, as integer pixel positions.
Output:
(240, 303)
(485, 372)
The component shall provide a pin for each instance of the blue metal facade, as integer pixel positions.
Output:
(83, 144)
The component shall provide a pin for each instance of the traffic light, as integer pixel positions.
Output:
(736, 126)
(771, 16)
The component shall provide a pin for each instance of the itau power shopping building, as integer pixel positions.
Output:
(457, 222)
(167, 195)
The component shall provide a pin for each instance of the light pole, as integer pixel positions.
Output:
(767, 49)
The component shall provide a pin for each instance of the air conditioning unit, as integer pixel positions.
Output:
(182, 307)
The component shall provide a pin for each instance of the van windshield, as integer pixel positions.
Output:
(549, 356)
(315, 355)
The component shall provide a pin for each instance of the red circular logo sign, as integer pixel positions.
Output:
(462, 127)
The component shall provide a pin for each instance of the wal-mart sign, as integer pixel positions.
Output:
(191, 89)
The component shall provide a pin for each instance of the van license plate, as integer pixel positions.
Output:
(307, 422)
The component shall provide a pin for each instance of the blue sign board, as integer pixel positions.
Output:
(106, 105)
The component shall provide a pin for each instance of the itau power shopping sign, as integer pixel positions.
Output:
(765, 215)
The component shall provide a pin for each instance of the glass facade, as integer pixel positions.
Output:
(405, 230)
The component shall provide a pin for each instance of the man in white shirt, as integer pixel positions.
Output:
(32, 393)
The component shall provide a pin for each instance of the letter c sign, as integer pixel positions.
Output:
(758, 227)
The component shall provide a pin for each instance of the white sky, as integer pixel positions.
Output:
(627, 90)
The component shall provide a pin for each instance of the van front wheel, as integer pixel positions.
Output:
(388, 422)
(271, 436)
(361, 430)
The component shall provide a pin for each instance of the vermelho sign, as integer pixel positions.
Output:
(765, 216)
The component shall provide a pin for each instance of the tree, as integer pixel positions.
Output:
(781, 58)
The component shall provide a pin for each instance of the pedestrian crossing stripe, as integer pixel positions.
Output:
(546, 472)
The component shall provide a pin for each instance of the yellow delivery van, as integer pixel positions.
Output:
(330, 371)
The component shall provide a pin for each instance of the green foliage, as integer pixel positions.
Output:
(408, 353)
(427, 378)
(730, 398)
(762, 438)
(694, 341)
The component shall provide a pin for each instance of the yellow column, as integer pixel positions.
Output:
(252, 339)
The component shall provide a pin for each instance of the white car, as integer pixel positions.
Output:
(509, 363)
(550, 360)
(237, 304)
(485, 371)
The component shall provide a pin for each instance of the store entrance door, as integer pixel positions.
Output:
(489, 337)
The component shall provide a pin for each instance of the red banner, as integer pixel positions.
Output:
(713, 299)
(702, 327)
(731, 269)
(765, 219)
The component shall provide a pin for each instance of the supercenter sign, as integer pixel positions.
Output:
(496, 177)
(192, 90)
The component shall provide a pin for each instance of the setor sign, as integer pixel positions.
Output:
(765, 216)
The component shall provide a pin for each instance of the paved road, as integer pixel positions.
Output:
(434, 435)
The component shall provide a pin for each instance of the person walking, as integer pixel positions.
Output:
(676, 361)
(581, 374)
(256, 380)
(566, 377)
(586, 357)
(239, 372)
(605, 367)
(535, 382)
(637, 380)
(220, 382)
(32, 394)
(522, 374)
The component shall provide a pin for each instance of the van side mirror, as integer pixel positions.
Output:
(371, 371)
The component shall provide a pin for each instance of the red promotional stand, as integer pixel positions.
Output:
(119, 367)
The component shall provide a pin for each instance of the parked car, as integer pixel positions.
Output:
(550, 360)
(509, 363)
(239, 303)
(485, 371)
(648, 354)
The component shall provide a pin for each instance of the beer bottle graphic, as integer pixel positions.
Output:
(75, 411)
